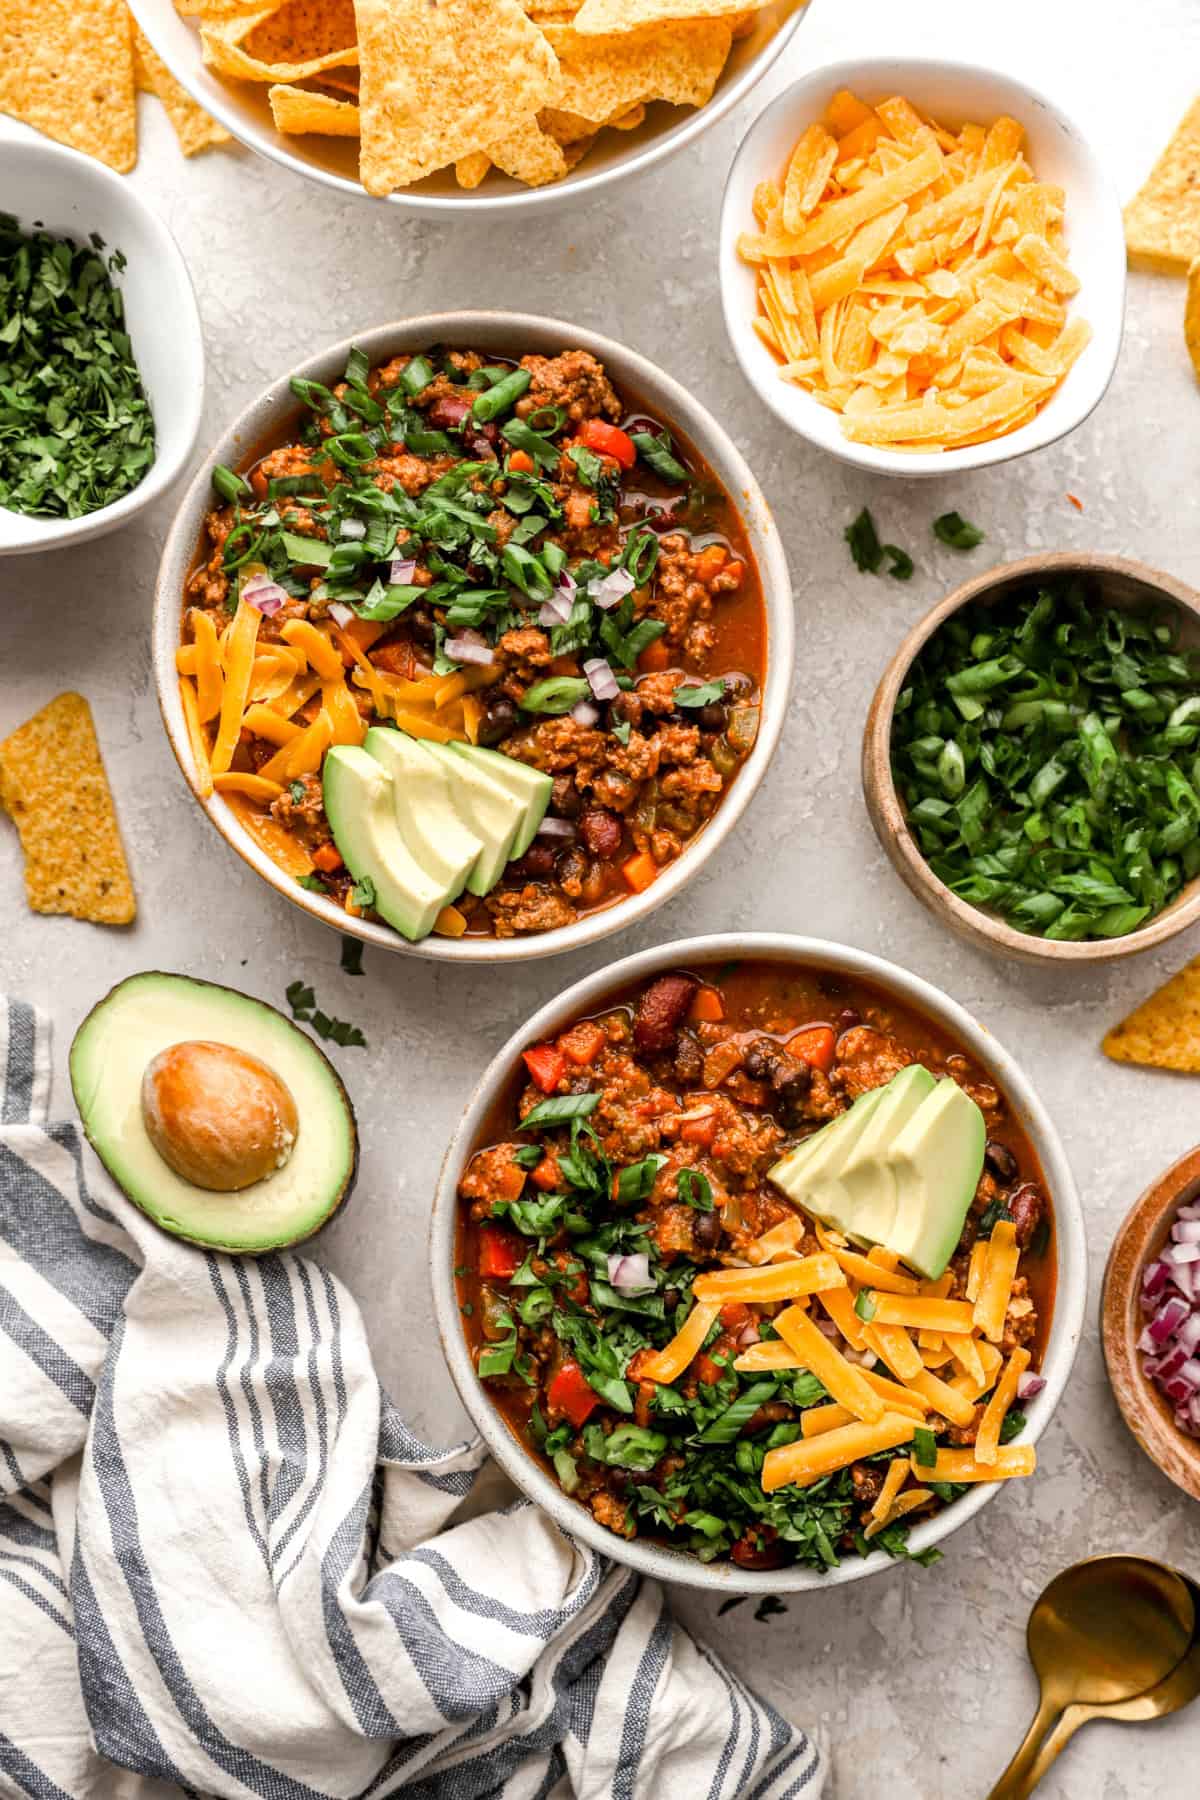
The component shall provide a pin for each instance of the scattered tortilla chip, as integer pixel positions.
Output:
(216, 9)
(595, 17)
(440, 80)
(1162, 221)
(52, 781)
(66, 68)
(529, 154)
(193, 127)
(602, 77)
(1191, 316)
(1164, 1031)
(287, 41)
(297, 110)
(470, 170)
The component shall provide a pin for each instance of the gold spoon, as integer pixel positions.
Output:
(1114, 1637)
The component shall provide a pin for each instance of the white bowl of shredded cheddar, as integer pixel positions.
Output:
(922, 266)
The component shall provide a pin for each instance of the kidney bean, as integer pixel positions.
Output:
(448, 412)
(1026, 1207)
(626, 709)
(1000, 1160)
(760, 1549)
(660, 1009)
(601, 832)
(689, 1059)
(537, 864)
(480, 440)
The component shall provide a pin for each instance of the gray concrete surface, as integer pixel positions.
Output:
(918, 1678)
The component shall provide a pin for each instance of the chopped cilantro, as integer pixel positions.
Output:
(951, 528)
(868, 552)
(303, 1003)
(352, 955)
(769, 1607)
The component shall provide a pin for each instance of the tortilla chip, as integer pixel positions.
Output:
(216, 9)
(1162, 222)
(53, 783)
(1164, 1031)
(529, 154)
(1191, 316)
(66, 68)
(193, 127)
(287, 41)
(441, 78)
(595, 17)
(470, 170)
(297, 110)
(603, 77)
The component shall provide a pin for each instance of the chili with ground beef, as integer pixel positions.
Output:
(527, 528)
(647, 1131)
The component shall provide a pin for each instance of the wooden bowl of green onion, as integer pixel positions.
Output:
(1031, 759)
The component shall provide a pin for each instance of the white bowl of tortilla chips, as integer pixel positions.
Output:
(479, 104)
(953, 353)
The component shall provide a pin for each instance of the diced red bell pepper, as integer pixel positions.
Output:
(501, 1253)
(609, 440)
(814, 1046)
(735, 1316)
(546, 1064)
(707, 1370)
(545, 1175)
(570, 1395)
(700, 1131)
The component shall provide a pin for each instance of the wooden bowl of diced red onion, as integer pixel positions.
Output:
(1150, 1322)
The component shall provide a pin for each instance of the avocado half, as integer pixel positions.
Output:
(144, 1015)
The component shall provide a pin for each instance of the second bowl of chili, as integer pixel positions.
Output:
(622, 626)
(610, 1181)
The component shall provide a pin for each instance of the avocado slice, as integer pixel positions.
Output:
(362, 816)
(866, 1175)
(899, 1169)
(146, 1014)
(937, 1159)
(493, 812)
(530, 786)
(422, 794)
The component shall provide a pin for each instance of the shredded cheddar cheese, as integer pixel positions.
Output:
(669, 1363)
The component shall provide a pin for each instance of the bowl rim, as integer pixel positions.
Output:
(1071, 1287)
(1140, 1236)
(585, 186)
(1054, 421)
(887, 814)
(171, 272)
(629, 367)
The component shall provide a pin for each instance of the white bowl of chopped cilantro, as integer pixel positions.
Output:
(1030, 761)
(102, 357)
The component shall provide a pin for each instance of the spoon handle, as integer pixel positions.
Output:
(1023, 1772)
(1072, 1718)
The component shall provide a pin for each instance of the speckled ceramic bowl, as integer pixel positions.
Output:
(588, 996)
(503, 333)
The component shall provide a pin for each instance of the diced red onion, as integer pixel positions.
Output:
(468, 647)
(341, 613)
(630, 1274)
(584, 713)
(827, 1328)
(1029, 1386)
(556, 610)
(1170, 1341)
(352, 528)
(603, 682)
(402, 570)
(558, 828)
(608, 590)
(747, 1335)
(264, 595)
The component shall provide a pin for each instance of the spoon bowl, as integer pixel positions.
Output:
(1115, 1637)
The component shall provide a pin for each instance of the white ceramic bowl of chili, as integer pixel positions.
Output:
(592, 994)
(643, 383)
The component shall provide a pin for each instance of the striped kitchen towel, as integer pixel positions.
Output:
(228, 1567)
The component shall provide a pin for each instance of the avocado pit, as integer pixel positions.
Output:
(218, 1116)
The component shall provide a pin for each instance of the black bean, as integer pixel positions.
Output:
(707, 1230)
(712, 717)
(499, 717)
(1000, 1160)
(565, 798)
(421, 625)
(626, 709)
(847, 1019)
(689, 1059)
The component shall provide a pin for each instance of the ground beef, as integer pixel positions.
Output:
(303, 811)
(493, 1174)
(527, 909)
(412, 473)
(614, 1513)
(867, 1059)
(575, 381)
(527, 649)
